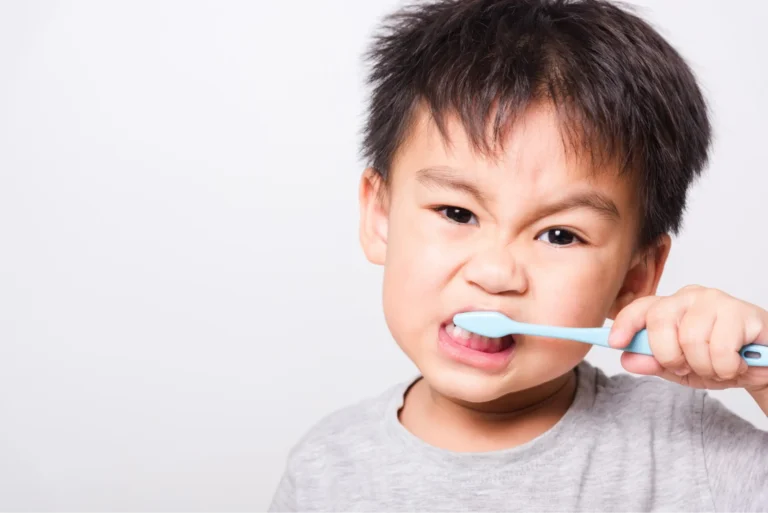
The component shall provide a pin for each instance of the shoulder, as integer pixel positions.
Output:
(349, 430)
(642, 399)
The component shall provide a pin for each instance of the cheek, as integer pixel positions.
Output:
(419, 264)
(418, 258)
(578, 294)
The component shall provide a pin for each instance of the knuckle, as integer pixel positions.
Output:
(714, 295)
(754, 323)
(688, 338)
(623, 316)
(720, 352)
(632, 314)
(694, 330)
(657, 317)
(725, 362)
(638, 305)
(671, 361)
(730, 312)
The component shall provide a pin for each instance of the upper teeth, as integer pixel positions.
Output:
(458, 332)
(463, 334)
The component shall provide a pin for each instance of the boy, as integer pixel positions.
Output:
(531, 157)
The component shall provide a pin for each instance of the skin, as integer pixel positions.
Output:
(695, 335)
(498, 251)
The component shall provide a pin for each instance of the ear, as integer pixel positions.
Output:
(374, 216)
(642, 278)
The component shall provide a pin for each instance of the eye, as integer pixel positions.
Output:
(559, 237)
(457, 214)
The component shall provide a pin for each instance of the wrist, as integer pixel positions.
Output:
(760, 396)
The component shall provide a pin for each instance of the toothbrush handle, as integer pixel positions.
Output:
(756, 355)
(595, 336)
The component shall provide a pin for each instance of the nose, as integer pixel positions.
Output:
(496, 271)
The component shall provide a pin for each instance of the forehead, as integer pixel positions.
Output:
(534, 153)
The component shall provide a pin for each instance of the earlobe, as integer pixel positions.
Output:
(373, 216)
(642, 278)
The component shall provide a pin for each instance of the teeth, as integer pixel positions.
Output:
(461, 333)
(472, 340)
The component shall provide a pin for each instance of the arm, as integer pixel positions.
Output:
(761, 398)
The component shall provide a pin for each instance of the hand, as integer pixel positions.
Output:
(695, 336)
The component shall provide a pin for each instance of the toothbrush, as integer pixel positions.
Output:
(495, 324)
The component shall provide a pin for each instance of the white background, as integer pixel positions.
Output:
(182, 294)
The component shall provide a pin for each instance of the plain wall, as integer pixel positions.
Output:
(182, 294)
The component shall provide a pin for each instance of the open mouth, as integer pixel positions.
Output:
(477, 342)
(484, 353)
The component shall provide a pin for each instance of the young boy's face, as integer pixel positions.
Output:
(535, 233)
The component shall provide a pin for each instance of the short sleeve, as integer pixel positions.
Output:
(284, 498)
(736, 458)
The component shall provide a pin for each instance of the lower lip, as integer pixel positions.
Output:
(492, 362)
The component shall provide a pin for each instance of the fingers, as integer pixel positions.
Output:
(663, 334)
(727, 338)
(694, 335)
(756, 326)
(647, 365)
(641, 364)
(630, 320)
(661, 317)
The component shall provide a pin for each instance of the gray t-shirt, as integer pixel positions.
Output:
(625, 444)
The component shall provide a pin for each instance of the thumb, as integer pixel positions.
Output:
(630, 320)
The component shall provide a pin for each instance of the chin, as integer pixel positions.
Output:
(469, 386)
(473, 386)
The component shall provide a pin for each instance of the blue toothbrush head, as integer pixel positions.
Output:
(487, 324)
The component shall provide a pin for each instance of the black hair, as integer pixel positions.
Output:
(621, 91)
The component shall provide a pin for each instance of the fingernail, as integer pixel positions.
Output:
(683, 372)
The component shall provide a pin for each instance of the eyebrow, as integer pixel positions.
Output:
(447, 178)
(595, 201)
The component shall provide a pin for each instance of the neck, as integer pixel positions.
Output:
(506, 422)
